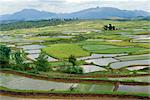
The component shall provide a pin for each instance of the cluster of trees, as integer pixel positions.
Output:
(8, 57)
(109, 27)
(33, 24)
(17, 61)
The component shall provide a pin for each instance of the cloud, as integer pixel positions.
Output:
(62, 6)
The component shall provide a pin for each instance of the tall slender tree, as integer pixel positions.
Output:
(4, 54)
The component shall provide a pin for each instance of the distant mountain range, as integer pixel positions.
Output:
(91, 13)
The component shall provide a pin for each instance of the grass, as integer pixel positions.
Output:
(83, 43)
(145, 51)
(94, 87)
(143, 33)
(122, 43)
(113, 37)
(98, 47)
(59, 63)
(62, 51)
(106, 49)
(134, 79)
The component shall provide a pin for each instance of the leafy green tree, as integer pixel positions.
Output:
(74, 70)
(41, 62)
(72, 59)
(80, 37)
(4, 54)
(19, 58)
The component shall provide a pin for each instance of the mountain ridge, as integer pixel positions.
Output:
(90, 13)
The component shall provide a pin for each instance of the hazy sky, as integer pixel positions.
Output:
(65, 6)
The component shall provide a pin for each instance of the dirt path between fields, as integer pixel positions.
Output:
(8, 95)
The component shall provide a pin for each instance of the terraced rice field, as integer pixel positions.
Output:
(97, 52)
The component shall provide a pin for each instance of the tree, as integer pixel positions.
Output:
(41, 62)
(80, 37)
(72, 60)
(4, 54)
(110, 27)
(105, 27)
(113, 28)
(19, 58)
(73, 70)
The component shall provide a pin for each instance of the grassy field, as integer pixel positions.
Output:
(61, 51)
(110, 49)
(98, 47)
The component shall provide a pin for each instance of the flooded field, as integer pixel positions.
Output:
(94, 56)
(137, 68)
(22, 83)
(117, 65)
(101, 61)
(92, 68)
(134, 89)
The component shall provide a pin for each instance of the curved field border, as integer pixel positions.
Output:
(72, 95)
(74, 80)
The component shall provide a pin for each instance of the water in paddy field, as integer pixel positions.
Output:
(93, 56)
(134, 89)
(34, 56)
(31, 47)
(34, 50)
(118, 65)
(92, 68)
(101, 61)
(23, 83)
(137, 68)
